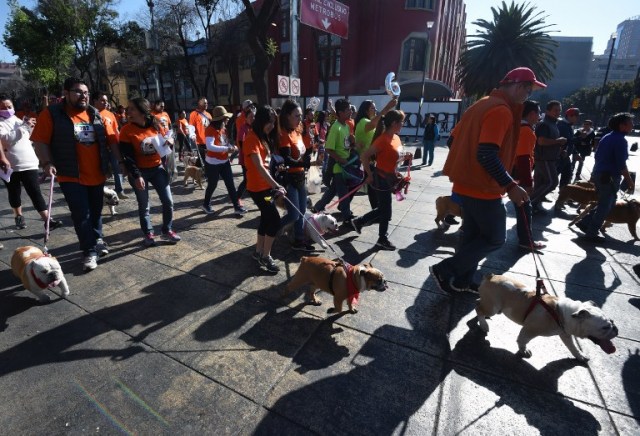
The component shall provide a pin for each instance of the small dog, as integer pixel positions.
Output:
(322, 224)
(502, 294)
(38, 272)
(195, 173)
(111, 199)
(330, 276)
(582, 193)
(624, 212)
(446, 206)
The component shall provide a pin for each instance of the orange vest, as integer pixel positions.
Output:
(211, 132)
(462, 166)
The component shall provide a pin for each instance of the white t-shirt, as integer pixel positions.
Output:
(14, 135)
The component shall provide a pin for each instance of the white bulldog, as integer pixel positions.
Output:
(111, 199)
(322, 224)
(501, 294)
(38, 271)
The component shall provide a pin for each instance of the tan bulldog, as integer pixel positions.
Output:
(502, 294)
(331, 276)
(195, 173)
(38, 271)
(446, 206)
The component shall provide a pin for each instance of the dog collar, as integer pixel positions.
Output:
(39, 282)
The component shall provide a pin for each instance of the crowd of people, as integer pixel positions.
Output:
(512, 151)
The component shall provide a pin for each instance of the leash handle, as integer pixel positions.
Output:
(48, 220)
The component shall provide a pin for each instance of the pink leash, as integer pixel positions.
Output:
(345, 196)
(48, 221)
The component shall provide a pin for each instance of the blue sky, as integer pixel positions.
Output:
(570, 17)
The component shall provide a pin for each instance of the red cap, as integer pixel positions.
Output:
(572, 111)
(522, 74)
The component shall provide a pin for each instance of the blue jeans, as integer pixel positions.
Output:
(427, 150)
(214, 173)
(484, 230)
(607, 194)
(297, 194)
(339, 187)
(159, 178)
(117, 177)
(85, 203)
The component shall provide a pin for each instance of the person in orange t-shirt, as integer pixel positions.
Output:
(481, 156)
(351, 122)
(256, 148)
(200, 120)
(121, 116)
(522, 171)
(140, 140)
(71, 142)
(101, 102)
(183, 133)
(387, 150)
(161, 115)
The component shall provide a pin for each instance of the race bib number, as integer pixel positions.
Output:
(347, 143)
(146, 146)
(84, 133)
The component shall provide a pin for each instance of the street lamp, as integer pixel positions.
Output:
(424, 76)
(614, 36)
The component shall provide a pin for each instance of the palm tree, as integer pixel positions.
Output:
(515, 38)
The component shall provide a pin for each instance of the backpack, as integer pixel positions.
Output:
(278, 170)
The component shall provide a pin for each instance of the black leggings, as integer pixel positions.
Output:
(269, 216)
(28, 179)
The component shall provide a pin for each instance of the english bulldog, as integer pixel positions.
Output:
(111, 200)
(38, 271)
(502, 294)
(315, 226)
(332, 277)
(195, 173)
(580, 192)
(446, 206)
(623, 212)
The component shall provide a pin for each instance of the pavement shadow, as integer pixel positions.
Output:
(631, 382)
(589, 272)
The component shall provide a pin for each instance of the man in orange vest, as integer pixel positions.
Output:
(482, 153)
(200, 120)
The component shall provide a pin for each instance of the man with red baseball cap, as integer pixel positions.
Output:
(482, 154)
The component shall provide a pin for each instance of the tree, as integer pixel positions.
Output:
(515, 38)
(263, 48)
(618, 95)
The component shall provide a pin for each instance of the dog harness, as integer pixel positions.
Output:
(315, 225)
(39, 282)
(540, 291)
(352, 289)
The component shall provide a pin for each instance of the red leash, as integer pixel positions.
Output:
(345, 196)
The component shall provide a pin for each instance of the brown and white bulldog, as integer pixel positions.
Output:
(331, 276)
(446, 206)
(623, 212)
(38, 271)
(195, 173)
(502, 294)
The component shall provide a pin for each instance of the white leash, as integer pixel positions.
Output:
(48, 221)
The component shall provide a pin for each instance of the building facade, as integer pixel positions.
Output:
(573, 59)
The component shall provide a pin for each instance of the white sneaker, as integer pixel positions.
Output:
(90, 262)
(101, 247)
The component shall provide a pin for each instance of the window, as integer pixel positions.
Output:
(336, 58)
(284, 65)
(131, 74)
(419, 4)
(249, 89)
(223, 90)
(221, 66)
(413, 54)
(330, 49)
(133, 88)
(202, 69)
(246, 62)
(284, 25)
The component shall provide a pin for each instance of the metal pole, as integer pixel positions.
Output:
(606, 75)
(424, 78)
(293, 54)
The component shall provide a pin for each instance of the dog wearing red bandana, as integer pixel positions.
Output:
(38, 272)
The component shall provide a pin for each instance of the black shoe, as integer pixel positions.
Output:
(450, 219)
(471, 288)
(357, 226)
(385, 244)
(55, 224)
(441, 282)
(269, 264)
(20, 223)
(593, 238)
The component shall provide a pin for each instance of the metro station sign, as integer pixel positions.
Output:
(327, 15)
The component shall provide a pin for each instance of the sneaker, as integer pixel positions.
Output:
(442, 284)
(302, 246)
(170, 236)
(269, 264)
(240, 211)
(150, 240)
(450, 219)
(122, 195)
(257, 257)
(537, 245)
(55, 224)
(472, 288)
(20, 223)
(385, 244)
(90, 262)
(357, 226)
(101, 247)
(207, 209)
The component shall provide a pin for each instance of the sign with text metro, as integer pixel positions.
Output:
(326, 15)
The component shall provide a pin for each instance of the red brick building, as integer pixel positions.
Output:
(384, 36)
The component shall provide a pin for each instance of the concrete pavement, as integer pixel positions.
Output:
(194, 338)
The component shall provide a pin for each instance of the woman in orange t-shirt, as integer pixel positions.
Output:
(387, 149)
(256, 148)
(138, 141)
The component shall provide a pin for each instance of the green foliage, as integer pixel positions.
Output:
(271, 47)
(618, 95)
(517, 37)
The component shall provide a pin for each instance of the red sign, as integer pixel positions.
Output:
(326, 15)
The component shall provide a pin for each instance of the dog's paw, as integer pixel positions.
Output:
(331, 310)
(524, 354)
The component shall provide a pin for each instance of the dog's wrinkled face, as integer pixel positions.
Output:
(374, 278)
(110, 197)
(592, 323)
(327, 223)
(47, 270)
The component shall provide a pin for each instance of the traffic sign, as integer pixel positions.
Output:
(326, 15)
(294, 87)
(283, 85)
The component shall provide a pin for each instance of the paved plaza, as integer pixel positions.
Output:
(195, 338)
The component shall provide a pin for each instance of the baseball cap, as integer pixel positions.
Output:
(219, 112)
(522, 74)
(572, 111)
(246, 104)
